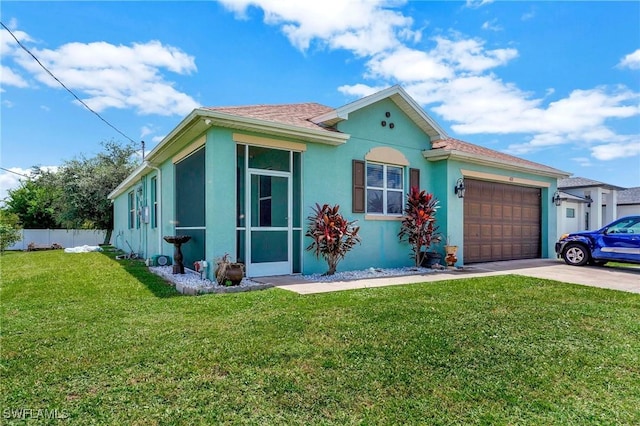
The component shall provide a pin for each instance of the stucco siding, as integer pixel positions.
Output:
(328, 179)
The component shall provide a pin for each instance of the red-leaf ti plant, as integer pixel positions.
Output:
(333, 236)
(418, 225)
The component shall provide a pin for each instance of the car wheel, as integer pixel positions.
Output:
(575, 255)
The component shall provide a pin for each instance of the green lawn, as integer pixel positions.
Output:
(105, 342)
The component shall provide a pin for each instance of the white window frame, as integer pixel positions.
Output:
(385, 188)
(132, 209)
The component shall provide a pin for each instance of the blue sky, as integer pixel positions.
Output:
(553, 82)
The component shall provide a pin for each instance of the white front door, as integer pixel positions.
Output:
(269, 237)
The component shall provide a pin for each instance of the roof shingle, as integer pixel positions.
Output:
(451, 144)
(289, 114)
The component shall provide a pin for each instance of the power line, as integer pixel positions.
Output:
(62, 84)
(15, 173)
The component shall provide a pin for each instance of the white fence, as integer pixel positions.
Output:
(64, 237)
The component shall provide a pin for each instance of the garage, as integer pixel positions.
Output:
(501, 222)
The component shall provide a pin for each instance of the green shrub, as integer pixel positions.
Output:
(9, 230)
(418, 225)
(333, 236)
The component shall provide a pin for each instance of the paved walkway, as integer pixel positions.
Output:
(623, 279)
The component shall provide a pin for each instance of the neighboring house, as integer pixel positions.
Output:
(242, 180)
(588, 204)
(629, 202)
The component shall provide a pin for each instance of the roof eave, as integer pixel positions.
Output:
(441, 154)
(140, 171)
(272, 128)
(400, 97)
(194, 125)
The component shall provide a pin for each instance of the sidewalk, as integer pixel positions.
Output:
(553, 269)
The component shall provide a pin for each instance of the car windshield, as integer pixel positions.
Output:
(629, 225)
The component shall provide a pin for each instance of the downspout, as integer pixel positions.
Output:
(159, 197)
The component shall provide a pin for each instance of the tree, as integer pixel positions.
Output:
(333, 236)
(33, 201)
(418, 225)
(9, 229)
(86, 182)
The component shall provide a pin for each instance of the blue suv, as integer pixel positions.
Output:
(619, 241)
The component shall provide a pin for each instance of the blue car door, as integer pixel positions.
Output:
(620, 241)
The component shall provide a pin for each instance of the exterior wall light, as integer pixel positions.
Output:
(556, 199)
(459, 188)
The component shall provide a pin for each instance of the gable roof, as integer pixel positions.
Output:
(315, 123)
(580, 182)
(465, 151)
(291, 114)
(629, 196)
(399, 97)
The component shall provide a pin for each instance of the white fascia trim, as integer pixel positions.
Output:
(279, 129)
(434, 155)
(130, 180)
(197, 117)
(342, 113)
(441, 133)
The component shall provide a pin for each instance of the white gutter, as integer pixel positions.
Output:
(439, 154)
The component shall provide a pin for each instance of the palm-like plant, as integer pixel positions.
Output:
(418, 225)
(332, 235)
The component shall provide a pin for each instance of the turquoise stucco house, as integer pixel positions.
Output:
(242, 180)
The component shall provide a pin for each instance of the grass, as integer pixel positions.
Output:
(105, 342)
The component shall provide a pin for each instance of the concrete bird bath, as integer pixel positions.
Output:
(177, 241)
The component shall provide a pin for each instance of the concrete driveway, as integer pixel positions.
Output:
(623, 279)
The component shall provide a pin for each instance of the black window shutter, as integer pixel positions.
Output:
(414, 178)
(359, 186)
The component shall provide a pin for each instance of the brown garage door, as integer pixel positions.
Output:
(501, 222)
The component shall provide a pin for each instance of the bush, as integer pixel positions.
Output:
(418, 225)
(9, 230)
(333, 236)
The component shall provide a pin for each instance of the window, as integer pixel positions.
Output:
(571, 213)
(385, 189)
(132, 209)
(154, 202)
(264, 201)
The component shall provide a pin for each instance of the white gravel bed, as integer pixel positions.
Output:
(369, 273)
(191, 282)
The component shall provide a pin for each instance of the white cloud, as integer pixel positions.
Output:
(474, 4)
(582, 161)
(11, 180)
(471, 55)
(8, 47)
(364, 27)
(407, 65)
(456, 75)
(631, 61)
(146, 130)
(492, 25)
(528, 15)
(8, 77)
(612, 151)
(359, 90)
(105, 75)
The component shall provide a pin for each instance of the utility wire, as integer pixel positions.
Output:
(15, 173)
(62, 84)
